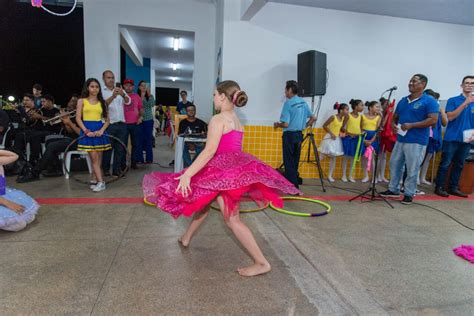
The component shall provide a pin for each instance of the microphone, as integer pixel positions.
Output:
(392, 89)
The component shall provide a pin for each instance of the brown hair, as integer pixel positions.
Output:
(232, 91)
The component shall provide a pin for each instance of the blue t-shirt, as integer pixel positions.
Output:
(465, 120)
(296, 113)
(416, 111)
(181, 107)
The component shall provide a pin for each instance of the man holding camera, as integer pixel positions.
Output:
(295, 117)
(115, 97)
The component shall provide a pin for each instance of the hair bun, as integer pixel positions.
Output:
(240, 98)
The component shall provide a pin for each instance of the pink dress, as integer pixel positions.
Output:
(231, 173)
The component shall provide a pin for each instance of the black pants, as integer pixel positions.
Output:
(291, 155)
(34, 137)
(50, 159)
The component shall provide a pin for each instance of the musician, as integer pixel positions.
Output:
(50, 165)
(191, 125)
(35, 133)
(37, 93)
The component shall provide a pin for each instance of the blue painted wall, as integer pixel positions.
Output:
(137, 73)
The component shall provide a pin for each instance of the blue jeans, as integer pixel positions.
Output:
(411, 156)
(291, 155)
(133, 131)
(145, 143)
(118, 130)
(187, 156)
(453, 152)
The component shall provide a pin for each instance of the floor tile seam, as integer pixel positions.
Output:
(305, 257)
(112, 263)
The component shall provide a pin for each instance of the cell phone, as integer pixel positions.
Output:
(118, 85)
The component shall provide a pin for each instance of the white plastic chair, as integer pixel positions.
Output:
(67, 161)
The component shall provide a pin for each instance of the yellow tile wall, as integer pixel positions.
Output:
(265, 143)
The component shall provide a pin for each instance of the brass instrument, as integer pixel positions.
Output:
(58, 118)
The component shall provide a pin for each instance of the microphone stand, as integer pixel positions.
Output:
(371, 193)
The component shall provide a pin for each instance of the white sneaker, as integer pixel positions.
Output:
(424, 181)
(366, 179)
(100, 186)
(92, 184)
(352, 180)
(330, 179)
(344, 179)
(385, 180)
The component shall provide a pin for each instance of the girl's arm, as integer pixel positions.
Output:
(7, 157)
(80, 106)
(326, 124)
(17, 208)
(105, 126)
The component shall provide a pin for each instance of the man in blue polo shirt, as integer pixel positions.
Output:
(412, 120)
(460, 112)
(294, 119)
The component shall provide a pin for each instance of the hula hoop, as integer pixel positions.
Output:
(357, 153)
(39, 4)
(287, 212)
(252, 210)
(127, 155)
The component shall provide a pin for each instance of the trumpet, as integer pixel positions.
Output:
(58, 118)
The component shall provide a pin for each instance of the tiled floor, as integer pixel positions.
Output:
(108, 259)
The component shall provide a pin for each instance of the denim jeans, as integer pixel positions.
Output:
(453, 152)
(133, 130)
(187, 161)
(291, 155)
(409, 155)
(118, 130)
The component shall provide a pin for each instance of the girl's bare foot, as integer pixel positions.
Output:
(183, 242)
(255, 269)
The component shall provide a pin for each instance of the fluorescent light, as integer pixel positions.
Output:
(11, 98)
(174, 66)
(176, 43)
(173, 79)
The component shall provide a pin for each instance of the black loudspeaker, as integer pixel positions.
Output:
(311, 73)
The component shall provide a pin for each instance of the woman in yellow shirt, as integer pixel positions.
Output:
(370, 124)
(93, 119)
(331, 144)
(353, 130)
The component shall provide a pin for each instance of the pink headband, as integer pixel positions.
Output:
(234, 97)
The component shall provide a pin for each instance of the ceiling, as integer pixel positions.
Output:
(446, 11)
(157, 45)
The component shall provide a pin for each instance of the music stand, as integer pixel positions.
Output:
(371, 193)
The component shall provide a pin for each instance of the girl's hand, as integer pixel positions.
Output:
(184, 185)
(99, 133)
(90, 134)
(367, 143)
(17, 208)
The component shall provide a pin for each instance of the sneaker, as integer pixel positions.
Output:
(407, 200)
(29, 177)
(352, 180)
(389, 193)
(344, 179)
(92, 184)
(100, 186)
(419, 192)
(330, 179)
(366, 179)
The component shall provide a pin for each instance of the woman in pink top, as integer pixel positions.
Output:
(222, 172)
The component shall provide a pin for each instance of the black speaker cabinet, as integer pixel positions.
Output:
(311, 73)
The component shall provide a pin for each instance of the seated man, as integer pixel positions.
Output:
(191, 126)
(35, 134)
(50, 165)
